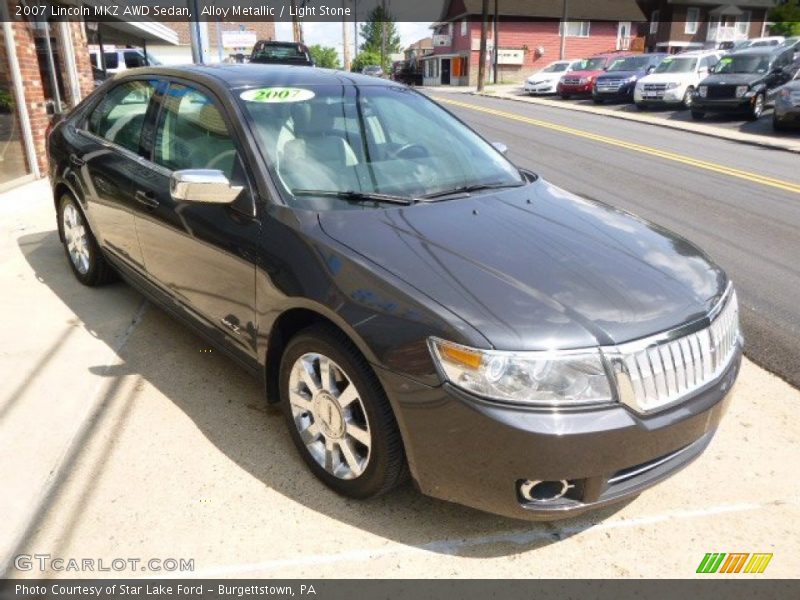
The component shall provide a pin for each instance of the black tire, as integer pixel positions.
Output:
(598, 100)
(642, 106)
(698, 115)
(757, 108)
(777, 124)
(565, 96)
(99, 272)
(688, 98)
(386, 467)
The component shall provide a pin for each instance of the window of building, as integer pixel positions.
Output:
(654, 22)
(119, 117)
(192, 133)
(743, 23)
(575, 28)
(692, 20)
(463, 27)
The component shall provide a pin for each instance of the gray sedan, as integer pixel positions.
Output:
(787, 105)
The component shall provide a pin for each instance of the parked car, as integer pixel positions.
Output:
(546, 80)
(408, 72)
(410, 299)
(786, 113)
(372, 71)
(675, 79)
(270, 52)
(744, 81)
(122, 59)
(760, 42)
(619, 80)
(793, 44)
(580, 80)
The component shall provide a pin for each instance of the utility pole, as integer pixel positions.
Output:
(496, 38)
(355, 28)
(383, 34)
(564, 15)
(345, 40)
(297, 27)
(482, 53)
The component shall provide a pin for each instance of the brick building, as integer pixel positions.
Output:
(246, 33)
(530, 35)
(677, 25)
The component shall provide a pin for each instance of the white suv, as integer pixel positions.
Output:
(675, 79)
(121, 59)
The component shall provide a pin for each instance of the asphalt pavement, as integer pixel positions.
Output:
(738, 202)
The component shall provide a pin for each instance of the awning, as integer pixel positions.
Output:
(726, 10)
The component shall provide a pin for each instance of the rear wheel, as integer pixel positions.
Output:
(80, 245)
(338, 415)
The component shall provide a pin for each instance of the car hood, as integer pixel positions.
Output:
(538, 268)
(667, 77)
(547, 76)
(583, 73)
(732, 79)
(621, 74)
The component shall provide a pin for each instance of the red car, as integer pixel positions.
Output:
(580, 81)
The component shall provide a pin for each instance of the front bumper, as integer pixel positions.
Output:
(665, 97)
(722, 105)
(575, 90)
(473, 452)
(624, 93)
(548, 87)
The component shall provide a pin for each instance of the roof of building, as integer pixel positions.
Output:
(605, 10)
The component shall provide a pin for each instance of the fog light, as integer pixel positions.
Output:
(544, 491)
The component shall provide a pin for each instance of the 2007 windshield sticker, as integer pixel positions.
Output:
(277, 94)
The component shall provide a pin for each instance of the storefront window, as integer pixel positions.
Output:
(13, 163)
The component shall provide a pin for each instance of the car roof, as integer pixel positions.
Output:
(243, 75)
(698, 53)
(759, 51)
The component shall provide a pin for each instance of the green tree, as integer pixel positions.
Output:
(365, 58)
(380, 25)
(786, 18)
(325, 56)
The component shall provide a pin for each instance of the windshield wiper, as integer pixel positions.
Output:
(466, 189)
(355, 196)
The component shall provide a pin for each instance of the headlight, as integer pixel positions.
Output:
(568, 378)
(741, 90)
(785, 94)
(672, 85)
(703, 91)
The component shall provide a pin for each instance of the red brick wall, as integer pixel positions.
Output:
(82, 61)
(529, 35)
(265, 30)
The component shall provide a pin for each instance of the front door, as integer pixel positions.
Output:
(200, 254)
(445, 71)
(624, 35)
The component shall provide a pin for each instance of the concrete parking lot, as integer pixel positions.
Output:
(125, 436)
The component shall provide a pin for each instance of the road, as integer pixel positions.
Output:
(740, 203)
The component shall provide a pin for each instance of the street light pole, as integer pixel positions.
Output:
(496, 46)
(482, 52)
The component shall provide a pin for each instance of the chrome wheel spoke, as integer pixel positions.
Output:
(330, 458)
(348, 396)
(358, 434)
(308, 377)
(75, 239)
(349, 455)
(310, 434)
(326, 374)
(300, 401)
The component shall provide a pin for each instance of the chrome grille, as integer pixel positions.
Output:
(571, 80)
(655, 87)
(652, 374)
(721, 92)
(609, 84)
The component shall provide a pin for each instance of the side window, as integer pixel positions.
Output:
(192, 134)
(112, 60)
(120, 115)
(134, 59)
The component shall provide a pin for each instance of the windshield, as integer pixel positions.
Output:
(369, 140)
(743, 64)
(632, 63)
(591, 64)
(677, 65)
(555, 68)
(280, 53)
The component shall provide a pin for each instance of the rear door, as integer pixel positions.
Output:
(201, 254)
(110, 155)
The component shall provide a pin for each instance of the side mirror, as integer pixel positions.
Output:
(500, 147)
(650, 69)
(209, 186)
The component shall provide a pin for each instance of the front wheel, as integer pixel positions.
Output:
(757, 108)
(777, 124)
(597, 100)
(688, 97)
(80, 245)
(338, 415)
(565, 96)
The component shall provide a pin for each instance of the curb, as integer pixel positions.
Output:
(792, 146)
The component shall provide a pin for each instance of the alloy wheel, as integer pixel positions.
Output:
(329, 415)
(75, 238)
(758, 107)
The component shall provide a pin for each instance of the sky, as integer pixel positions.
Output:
(330, 34)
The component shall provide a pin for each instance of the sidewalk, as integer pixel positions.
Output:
(789, 142)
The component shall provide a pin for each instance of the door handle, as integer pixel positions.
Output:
(76, 162)
(147, 199)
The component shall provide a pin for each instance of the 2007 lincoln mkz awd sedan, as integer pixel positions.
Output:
(414, 302)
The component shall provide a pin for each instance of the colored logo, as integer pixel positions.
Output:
(735, 562)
